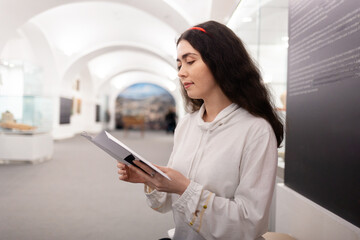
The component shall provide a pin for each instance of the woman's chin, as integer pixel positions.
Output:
(193, 97)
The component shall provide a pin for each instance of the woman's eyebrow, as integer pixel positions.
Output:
(185, 56)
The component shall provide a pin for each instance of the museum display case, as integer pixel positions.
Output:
(25, 114)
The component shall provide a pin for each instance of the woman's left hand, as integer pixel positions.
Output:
(178, 183)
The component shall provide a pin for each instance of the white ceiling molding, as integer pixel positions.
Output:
(82, 59)
(141, 72)
(125, 79)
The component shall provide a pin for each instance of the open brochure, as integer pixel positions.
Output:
(119, 150)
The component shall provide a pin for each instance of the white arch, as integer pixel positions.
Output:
(138, 70)
(29, 9)
(144, 77)
(151, 78)
(80, 60)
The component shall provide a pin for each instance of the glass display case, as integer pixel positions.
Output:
(25, 114)
(23, 106)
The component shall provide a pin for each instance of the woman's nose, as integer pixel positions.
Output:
(182, 73)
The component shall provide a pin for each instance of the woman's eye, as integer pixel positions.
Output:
(189, 63)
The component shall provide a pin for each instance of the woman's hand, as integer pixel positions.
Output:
(154, 180)
(129, 175)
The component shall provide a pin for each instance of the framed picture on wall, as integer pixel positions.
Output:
(65, 110)
(78, 106)
(77, 85)
(97, 113)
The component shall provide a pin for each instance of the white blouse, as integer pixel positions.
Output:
(231, 163)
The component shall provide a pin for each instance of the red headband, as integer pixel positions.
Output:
(198, 28)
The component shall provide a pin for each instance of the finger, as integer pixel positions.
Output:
(123, 177)
(140, 173)
(145, 167)
(123, 174)
(162, 168)
(121, 165)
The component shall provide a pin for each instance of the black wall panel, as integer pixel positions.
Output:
(323, 104)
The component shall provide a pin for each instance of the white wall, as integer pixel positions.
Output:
(306, 220)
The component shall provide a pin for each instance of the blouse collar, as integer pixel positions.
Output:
(219, 119)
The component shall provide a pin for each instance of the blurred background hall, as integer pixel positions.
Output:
(68, 66)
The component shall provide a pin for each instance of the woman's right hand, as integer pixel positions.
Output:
(129, 175)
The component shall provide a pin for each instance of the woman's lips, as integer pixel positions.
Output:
(187, 85)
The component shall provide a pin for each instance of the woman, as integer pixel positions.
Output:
(224, 159)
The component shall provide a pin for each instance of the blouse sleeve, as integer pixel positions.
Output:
(246, 215)
(159, 201)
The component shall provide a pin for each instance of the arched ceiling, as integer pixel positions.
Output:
(114, 36)
(110, 42)
(107, 65)
(123, 36)
(119, 52)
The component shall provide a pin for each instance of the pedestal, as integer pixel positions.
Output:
(34, 147)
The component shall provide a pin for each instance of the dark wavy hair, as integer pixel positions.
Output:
(234, 71)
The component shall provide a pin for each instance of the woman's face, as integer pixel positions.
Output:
(194, 74)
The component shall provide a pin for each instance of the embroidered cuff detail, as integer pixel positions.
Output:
(147, 189)
(193, 203)
(204, 207)
(189, 200)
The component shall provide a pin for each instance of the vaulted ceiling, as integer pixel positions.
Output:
(113, 38)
